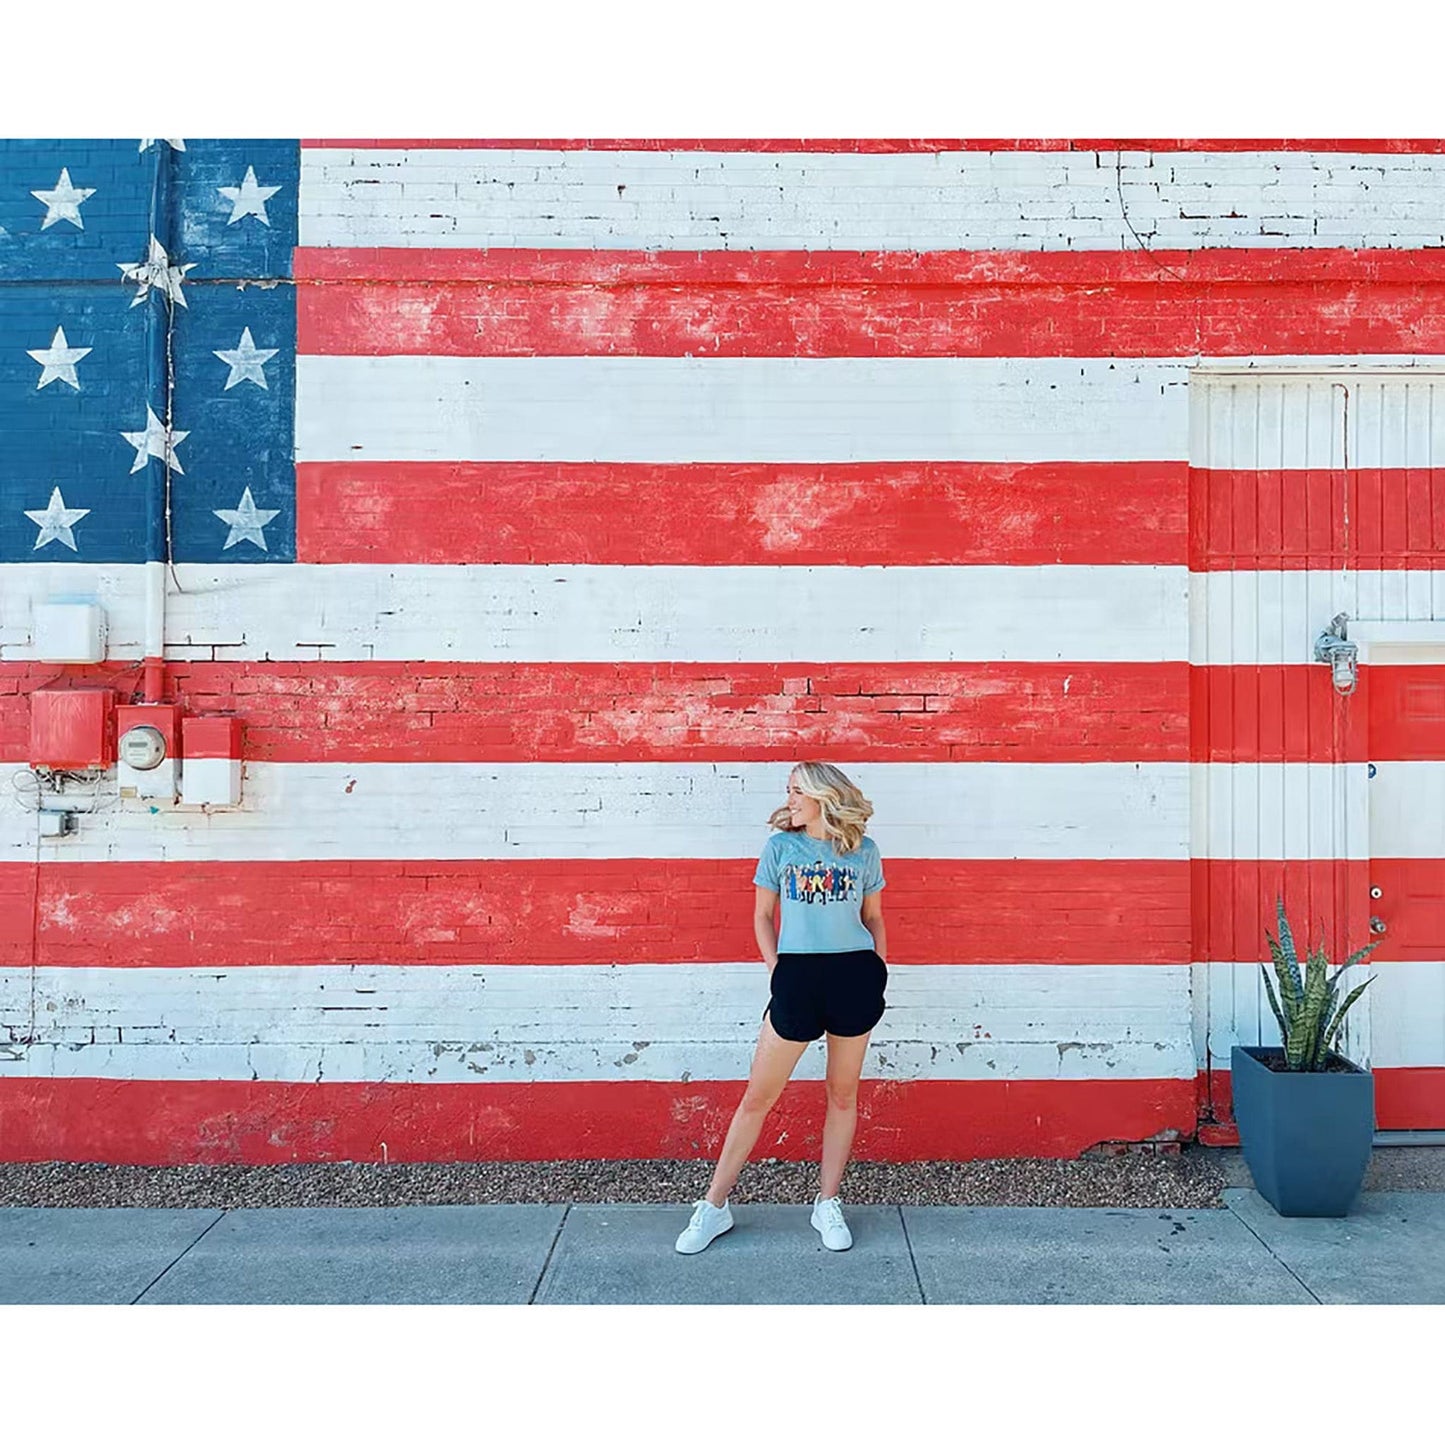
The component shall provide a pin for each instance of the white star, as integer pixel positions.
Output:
(59, 361)
(246, 362)
(156, 270)
(56, 521)
(155, 441)
(248, 199)
(64, 202)
(245, 521)
(175, 145)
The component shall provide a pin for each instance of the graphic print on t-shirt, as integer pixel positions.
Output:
(819, 882)
(807, 871)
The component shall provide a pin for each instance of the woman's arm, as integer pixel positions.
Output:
(765, 910)
(872, 916)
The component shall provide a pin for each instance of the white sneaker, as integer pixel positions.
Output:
(707, 1222)
(828, 1221)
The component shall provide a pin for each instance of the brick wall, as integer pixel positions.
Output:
(566, 449)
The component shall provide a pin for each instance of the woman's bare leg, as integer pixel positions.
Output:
(845, 1065)
(773, 1062)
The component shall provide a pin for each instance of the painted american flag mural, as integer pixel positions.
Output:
(536, 504)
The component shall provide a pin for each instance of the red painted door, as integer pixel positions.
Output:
(1407, 884)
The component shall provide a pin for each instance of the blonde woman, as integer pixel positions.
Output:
(827, 971)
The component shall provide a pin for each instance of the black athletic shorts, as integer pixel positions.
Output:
(818, 993)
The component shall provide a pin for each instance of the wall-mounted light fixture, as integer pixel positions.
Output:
(1342, 656)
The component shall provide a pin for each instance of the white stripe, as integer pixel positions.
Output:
(1231, 1008)
(628, 810)
(700, 200)
(670, 1023)
(1279, 810)
(837, 409)
(1265, 618)
(1407, 811)
(627, 614)
(716, 810)
(1259, 421)
(1407, 1015)
(375, 612)
(738, 409)
(1405, 1008)
(1400, 644)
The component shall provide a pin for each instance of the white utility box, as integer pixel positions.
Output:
(69, 632)
(211, 770)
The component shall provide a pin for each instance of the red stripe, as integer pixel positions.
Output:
(878, 146)
(802, 269)
(433, 712)
(1406, 712)
(1033, 308)
(571, 911)
(1234, 903)
(17, 914)
(1412, 903)
(1292, 714)
(152, 1122)
(1409, 1098)
(1366, 518)
(687, 712)
(1281, 714)
(223, 1122)
(705, 514)
(615, 910)
(1404, 1099)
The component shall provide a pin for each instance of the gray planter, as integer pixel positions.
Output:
(1306, 1137)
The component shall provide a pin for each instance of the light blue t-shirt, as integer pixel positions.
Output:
(821, 891)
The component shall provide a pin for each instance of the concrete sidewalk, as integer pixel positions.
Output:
(1390, 1251)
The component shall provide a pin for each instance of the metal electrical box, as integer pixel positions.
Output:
(148, 750)
(212, 769)
(72, 728)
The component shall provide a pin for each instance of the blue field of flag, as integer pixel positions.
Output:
(147, 350)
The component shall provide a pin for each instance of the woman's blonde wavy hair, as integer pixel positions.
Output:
(845, 811)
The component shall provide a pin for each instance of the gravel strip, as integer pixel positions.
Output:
(1190, 1179)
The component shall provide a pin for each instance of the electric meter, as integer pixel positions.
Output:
(142, 748)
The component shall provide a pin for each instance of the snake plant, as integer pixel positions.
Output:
(1306, 1007)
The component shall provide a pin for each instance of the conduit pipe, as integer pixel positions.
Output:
(159, 390)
